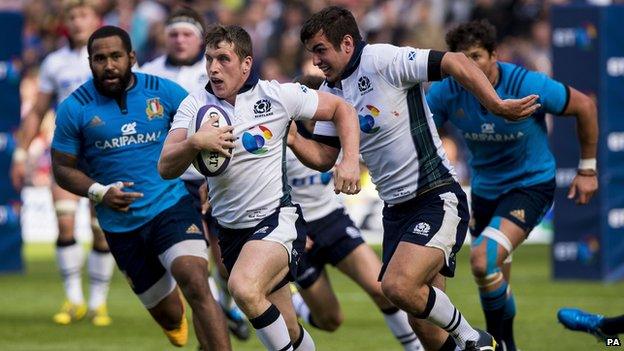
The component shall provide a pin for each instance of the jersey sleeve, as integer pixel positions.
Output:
(553, 95)
(67, 134)
(175, 95)
(187, 109)
(325, 132)
(46, 80)
(405, 66)
(436, 103)
(300, 101)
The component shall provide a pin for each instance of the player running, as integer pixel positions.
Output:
(261, 233)
(513, 170)
(116, 124)
(425, 216)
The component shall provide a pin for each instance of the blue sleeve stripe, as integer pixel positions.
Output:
(82, 95)
(86, 93)
(516, 89)
(510, 78)
(76, 95)
(157, 80)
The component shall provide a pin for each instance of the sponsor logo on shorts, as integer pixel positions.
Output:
(518, 214)
(262, 230)
(193, 229)
(422, 228)
(353, 232)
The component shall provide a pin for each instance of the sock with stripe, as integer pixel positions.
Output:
(441, 312)
(397, 321)
(493, 305)
(301, 308)
(100, 265)
(305, 342)
(271, 330)
(508, 318)
(70, 259)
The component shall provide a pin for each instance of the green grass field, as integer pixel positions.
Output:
(28, 301)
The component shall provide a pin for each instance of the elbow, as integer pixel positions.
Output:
(164, 173)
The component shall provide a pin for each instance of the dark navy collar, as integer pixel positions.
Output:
(249, 84)
(353, 64)
(170, 62)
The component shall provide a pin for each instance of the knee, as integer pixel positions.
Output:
(478, 264)
(329, 321)
(243, 291)
(401, 292)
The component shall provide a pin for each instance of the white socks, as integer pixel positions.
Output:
(399, 326)
(70, 259)
(100, 266)
(443, 314)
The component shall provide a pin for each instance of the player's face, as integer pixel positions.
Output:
(226, 71)
(111, 65)
(483, 59)
(324, 56)
(183, 45)
(81, 22)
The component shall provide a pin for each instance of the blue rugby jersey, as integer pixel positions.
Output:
(122, 142)
(505, 154)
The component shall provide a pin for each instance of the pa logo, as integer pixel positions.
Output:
(422, 228)
(613, 341)
(364, 84)
(262, 106)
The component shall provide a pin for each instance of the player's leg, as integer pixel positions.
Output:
(183, 251)
(598, 325)
(317, 303)
(100, 265)
(495, 237)
(69, 257)
(363, 266)
(301, 339)
(426, 234)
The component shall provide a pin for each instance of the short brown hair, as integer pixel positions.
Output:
(335, 22)
(476, 33)
(232, 34)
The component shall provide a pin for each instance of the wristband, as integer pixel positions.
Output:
(587, 163)
(20, 155)
(97, 191)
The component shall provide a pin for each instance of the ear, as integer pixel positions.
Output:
(247, 62)
(494, 55)
(132, 56)
(348, 44)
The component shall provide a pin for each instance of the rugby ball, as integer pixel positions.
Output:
(209, 163)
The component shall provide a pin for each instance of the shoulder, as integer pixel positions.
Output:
(155, 66)
(83, 96)
(155, 83)
(55, 57)
(513, 77)
(375, 55)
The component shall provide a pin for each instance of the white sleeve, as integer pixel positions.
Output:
(300, 101)
(325, 128)
(46, 79)
(404, 66)
(187, 109)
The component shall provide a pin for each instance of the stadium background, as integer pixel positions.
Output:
(525, 37)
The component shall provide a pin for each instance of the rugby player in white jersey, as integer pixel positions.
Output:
(185, 64)
(425, 216)
(62, 72)
(334, 239)
(260, 231)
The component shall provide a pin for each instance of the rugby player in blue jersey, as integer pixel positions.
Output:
(115, 125)
(513, 170)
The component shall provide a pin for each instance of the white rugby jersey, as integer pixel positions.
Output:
(192, 78)
(254, 184)
(311, 189)
(63, 71)
(398, 138)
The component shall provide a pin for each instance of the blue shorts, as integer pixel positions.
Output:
(192, 186)
(335, 236)
(285, 226)
(140, 253)
(437, 218)
(525, 207)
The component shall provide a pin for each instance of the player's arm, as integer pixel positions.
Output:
(28, 130)
(466, 72)
(585, 184)
(70, 178)
(312, 153)
(179, 151)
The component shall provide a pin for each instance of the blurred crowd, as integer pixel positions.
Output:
(523, 30)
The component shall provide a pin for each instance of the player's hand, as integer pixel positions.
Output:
(119, 200)
(309, 244)
(583, 188)
(347, 177)
(517, 109)
(211, 138)
(292, 134)
(18, 174)
(203, 198)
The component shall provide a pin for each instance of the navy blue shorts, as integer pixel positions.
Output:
(136, 252)
(285, 226)
(193, 188)
(335, 236)
(437, 218)
(525, 207)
